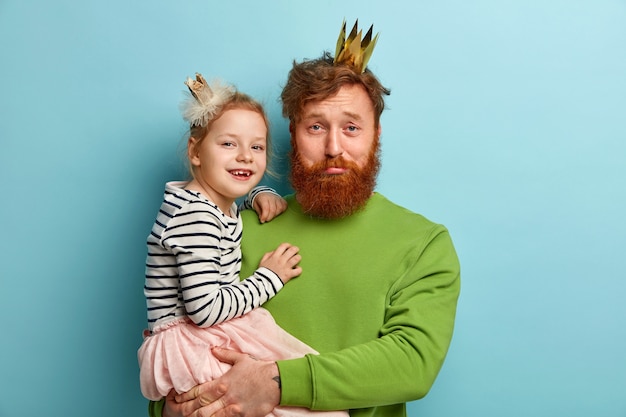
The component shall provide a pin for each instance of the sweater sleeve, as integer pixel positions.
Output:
(194, 237)
(403, 362)
(155, 408)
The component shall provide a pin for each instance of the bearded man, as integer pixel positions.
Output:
(378, 292)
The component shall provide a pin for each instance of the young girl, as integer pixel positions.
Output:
(194, 295)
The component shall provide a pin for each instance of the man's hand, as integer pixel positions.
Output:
(199, 403)
(249, 389)
(268, 205)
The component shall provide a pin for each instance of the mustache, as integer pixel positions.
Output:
(334, 162)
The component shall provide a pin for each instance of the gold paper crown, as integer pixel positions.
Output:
(205, 99)
(354, 51)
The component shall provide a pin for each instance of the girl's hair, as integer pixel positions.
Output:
(239, 101)
(319, 79)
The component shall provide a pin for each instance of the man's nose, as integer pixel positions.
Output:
(334, 146)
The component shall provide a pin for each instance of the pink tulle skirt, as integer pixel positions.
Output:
(178, 355)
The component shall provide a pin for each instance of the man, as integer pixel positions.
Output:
(377, 295)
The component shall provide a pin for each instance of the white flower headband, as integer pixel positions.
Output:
(205, 101)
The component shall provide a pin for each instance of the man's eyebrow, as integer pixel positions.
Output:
(312, 115)
(316, 115)
(352, 115)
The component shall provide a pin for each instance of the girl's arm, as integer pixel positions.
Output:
(266, 202)
(212, 294)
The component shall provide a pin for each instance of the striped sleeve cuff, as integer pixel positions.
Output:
(248, 203)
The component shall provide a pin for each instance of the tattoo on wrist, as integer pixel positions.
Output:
(277, 379)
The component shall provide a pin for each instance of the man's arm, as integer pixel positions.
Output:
(227, 396)
(402, 363)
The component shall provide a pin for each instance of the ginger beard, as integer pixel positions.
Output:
(334, 196)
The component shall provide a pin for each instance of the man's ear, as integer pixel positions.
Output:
(192, 151)
(292, 129)
(292, 135)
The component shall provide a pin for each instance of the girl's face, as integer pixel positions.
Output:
(232, 158)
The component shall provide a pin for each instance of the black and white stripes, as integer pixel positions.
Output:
(193, 263)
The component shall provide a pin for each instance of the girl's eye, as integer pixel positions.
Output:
(228, 144)
(258, 147)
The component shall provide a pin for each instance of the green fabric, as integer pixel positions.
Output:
(155, 408)
(377, 298)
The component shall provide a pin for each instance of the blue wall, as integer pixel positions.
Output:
(506, 123)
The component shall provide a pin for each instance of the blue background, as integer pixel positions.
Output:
(506, 123)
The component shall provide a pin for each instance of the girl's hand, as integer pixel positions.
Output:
(268, 205)
(283, 262)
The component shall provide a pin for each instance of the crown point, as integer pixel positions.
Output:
(354, 50)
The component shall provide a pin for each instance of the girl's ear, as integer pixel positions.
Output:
(192, 151)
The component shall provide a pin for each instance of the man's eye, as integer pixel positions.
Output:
(316, 127)
(352, 128)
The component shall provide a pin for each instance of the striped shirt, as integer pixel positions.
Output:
(193, 263)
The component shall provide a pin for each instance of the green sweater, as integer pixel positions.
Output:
(377, 298)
